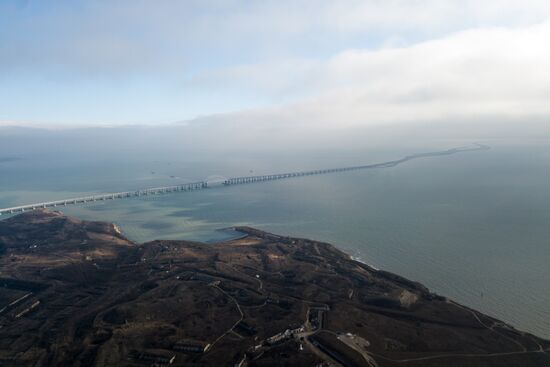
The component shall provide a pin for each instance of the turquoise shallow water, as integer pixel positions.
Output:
(472, 226)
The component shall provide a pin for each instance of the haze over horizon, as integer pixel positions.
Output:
(274, 64)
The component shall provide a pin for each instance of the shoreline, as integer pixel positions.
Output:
(277, 293)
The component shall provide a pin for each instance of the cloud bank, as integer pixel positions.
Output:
(327, 64)
(482, 73)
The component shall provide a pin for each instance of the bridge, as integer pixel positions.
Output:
(231, 181)
(103, 197)
(250, 179)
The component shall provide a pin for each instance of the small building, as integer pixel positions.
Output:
(154, 358)
(191, 346)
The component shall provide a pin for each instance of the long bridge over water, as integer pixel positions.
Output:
(201, 185)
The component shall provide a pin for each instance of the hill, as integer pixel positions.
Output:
(79, 293)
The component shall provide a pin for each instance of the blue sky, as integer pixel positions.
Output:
(75, 63)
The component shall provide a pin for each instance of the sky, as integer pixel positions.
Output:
(315, 64)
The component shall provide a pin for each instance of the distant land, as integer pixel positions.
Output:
(80, 293)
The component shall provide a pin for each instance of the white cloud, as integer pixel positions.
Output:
(488, 72)
(150, 36)
(332, 63)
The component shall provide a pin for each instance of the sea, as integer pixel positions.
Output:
(473, 226)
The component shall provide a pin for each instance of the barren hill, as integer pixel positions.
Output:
(79, 293)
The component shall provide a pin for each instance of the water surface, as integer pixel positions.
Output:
(473, 226)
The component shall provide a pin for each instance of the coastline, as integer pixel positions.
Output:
(242, 299)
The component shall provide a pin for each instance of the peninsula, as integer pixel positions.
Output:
(79, 293)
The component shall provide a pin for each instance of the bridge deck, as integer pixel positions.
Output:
(231, 181)
(110, 196)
